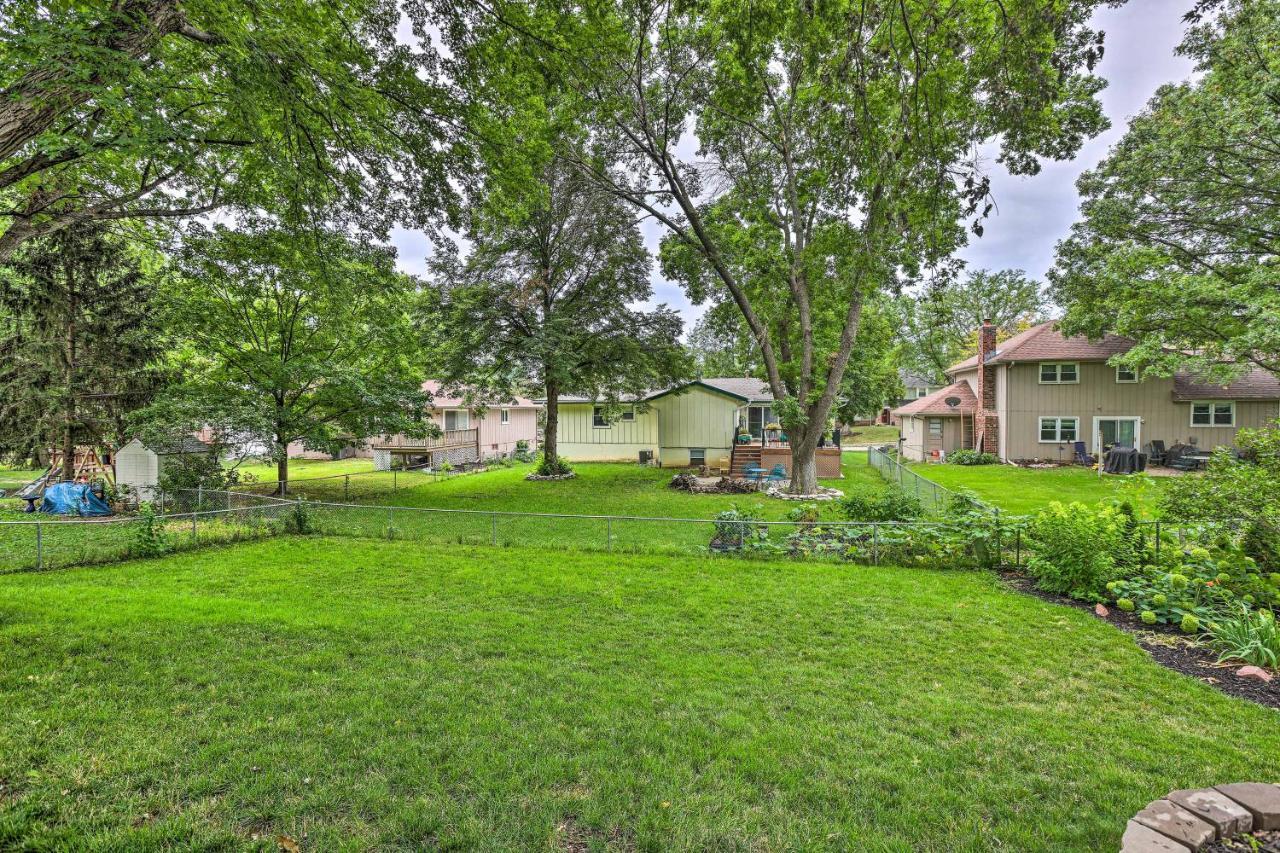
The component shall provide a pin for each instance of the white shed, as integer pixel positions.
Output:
(139, 466)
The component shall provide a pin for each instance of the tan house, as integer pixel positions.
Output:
(691, 425)
(1034, 395)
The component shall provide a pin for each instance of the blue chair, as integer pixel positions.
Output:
(777, 474)
(754, 473)
(1082, 456)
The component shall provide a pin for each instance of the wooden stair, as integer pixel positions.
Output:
(742, 458)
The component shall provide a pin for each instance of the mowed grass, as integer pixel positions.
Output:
(874, 434)
(1024, 491)
(368, 695)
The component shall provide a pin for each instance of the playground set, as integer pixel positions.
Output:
(84, 494)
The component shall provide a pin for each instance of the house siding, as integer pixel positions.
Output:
(497, 438)
(578, 440)
(1097, 394)
(696, 418)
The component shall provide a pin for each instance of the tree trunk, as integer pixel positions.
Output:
(549, 448)
(282, 468)
(804, 461)
(69, 381)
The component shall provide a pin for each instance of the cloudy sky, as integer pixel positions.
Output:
(1032, 214)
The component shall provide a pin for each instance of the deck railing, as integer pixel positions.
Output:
(449, 438)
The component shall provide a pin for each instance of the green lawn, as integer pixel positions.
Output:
(358, 695)
(875, 434)
(300, 469)
(1027, 490)
(16, 478)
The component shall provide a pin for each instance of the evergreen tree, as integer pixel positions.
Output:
(79, 347)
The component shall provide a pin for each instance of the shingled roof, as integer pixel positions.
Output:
(1046, 343)
(745, 388)
(936, 403)
(1257, 384)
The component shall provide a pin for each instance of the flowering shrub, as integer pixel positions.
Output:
(1077, 549)
(1199, 584)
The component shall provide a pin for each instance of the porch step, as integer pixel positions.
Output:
(744, 457)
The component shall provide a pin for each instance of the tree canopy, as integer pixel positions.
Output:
(835, 146)
(1180, 237)
(161, 109)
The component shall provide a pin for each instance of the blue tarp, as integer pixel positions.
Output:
(73, 499)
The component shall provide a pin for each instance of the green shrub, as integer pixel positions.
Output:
(298, 520)
(557, 467)
(1246, 635)
(964, 456)
(735, 527)
(150, 539)
(1190, 624)
(1077, 549)
(522, 453)
(890, 505)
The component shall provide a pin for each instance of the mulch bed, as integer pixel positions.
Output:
(1168, 646)
(1262, 841)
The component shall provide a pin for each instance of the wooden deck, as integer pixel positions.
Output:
(399, 444)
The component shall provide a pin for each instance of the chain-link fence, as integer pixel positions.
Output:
(48, 542)
(934, 498)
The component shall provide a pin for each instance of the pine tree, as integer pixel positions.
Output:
(79, 345)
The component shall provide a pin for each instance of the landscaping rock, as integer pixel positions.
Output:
(1227, 816)
(1177, 823)
(1253, 672)
(1142, 839)
(1101, 610)
(1262, 801)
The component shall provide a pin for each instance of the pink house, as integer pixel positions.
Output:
(468, 435)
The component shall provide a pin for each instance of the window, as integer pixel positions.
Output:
(1055, 430)
(1126, 374)
(1213, 414)
(629, 413)
(935, 427)
(1059, 373)
(597, 417)
(697, 456)
(919, 391)
(506, 416)
(456, 419)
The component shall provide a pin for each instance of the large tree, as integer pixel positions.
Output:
(940, 325)
(1180, 236)
(835, 146)
(81, 348)
(115, 109)
(545, 298)
(311, 329)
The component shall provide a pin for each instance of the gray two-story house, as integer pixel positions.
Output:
(1034, 395)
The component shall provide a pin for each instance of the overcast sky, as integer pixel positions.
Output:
(1032, 214)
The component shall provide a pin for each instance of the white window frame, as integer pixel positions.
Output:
(504, 417)
(919, 391)
(458, 414)
(700, 450)
(1132, 370)
(598, 420)
(1213, 413)
(1057, 372)
(1057, 429)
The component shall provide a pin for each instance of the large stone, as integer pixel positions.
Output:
(1177, 823)
(1227, 816)
(1255, 672)
(1262, 801)
(1143, 839)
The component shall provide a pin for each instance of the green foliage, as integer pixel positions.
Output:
(151, 110)
(150, 538)
(738, 528)
(1200, 583)
(522, 453)
(1176, 246)
(80, 350)
(1078, 549)
(292, 336)
(965, 456)
(299, 519)
(940, 327)
(891, 505)
(806, 513)
(555, 466)
(1246, 635)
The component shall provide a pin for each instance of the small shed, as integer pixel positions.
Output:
(139, 465)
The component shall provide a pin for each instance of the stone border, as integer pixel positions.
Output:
(824, 494)
(547, 478)
(1189, 819)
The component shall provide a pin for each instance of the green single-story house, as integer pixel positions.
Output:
(689, 425)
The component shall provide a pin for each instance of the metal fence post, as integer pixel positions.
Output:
(199, 496)
(875, 544)
(39, 546)
(346, 487)
(395, 479)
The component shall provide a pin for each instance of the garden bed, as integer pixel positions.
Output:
(1168, 646)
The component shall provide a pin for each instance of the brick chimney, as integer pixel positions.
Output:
(986, 426)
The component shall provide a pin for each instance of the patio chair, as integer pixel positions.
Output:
(1081, 455)
(754, 473)
(777, 474)
(1155, 452)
